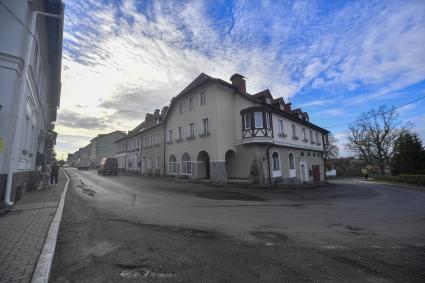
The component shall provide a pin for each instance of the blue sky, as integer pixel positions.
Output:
(334, 59)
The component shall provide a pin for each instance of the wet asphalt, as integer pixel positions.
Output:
(140, 229)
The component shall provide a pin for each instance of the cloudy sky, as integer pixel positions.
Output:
(335, 59)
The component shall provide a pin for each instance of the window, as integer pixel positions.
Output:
(151, 141)
(172, 165)
(180, 132)
(150, 161)
(304, 135)
(258, 116)
(203, 97)
(268, 100)
(157, 162)
(158, 136)
(170, 135)
(181, 107)
(294, 131)
(280, 124)
(291, 161)
(317, 138)
(191, 103)
(276, 162)
(247, 121)
(205, 126)
(311, 137)
(268, 121)
(191, 129)
(186, 164)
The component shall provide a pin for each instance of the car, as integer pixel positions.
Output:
(108, 165)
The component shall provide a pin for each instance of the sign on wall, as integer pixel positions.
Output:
(1, 145)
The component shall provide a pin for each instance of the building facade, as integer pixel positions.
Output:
(104, 146)
(215, 130)
(30, 71)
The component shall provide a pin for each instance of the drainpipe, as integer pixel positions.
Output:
(324, 157)
(268, 162)
(22, 103)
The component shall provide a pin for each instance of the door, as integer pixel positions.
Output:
(207, 168)
(303, 173)
(316, 174)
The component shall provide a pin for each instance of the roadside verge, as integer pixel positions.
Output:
(44, 264)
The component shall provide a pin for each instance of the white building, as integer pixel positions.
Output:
(30, 72)
(104, 146)
(217, 130)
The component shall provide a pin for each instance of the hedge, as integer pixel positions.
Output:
(407, 179)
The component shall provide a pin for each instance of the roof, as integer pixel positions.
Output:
(203, 78)
(103, 135)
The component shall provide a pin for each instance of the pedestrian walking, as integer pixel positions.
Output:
(47, 174)
(54, 174)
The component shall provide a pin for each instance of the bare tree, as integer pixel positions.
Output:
(373, 136)
(332, 150)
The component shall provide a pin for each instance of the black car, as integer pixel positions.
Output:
(108, 165)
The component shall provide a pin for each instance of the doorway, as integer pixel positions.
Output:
(203, 162)
(316, 174)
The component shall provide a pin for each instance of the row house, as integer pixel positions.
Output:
(30, 80)
(216, 130)
(104, 145)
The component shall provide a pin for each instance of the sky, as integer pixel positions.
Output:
(334, 59)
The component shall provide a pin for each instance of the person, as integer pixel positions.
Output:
(47, 173)
(54, 174)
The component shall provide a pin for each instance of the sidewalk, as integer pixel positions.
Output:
(23, 232)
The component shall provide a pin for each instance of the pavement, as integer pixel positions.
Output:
(24, 231)
(138, 229)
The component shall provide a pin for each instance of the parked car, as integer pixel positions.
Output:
(108, 165)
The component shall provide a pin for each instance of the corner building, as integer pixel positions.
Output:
(216, 130)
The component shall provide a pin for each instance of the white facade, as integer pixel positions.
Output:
(30, 85)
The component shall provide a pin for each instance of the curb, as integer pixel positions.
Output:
(395, 185)
(44, 263)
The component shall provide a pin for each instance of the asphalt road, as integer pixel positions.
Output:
(128, 228)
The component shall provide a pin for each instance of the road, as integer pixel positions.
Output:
(136, 229)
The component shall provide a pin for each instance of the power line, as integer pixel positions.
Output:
(370, 116)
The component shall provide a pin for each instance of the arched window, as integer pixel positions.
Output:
(276, 162)
(291, 161)
(186, 164)
(172, 165)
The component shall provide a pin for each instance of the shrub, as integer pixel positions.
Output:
(408, 179)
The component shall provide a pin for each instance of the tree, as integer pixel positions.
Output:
(332, 150)
(410, 155)
(373, 136)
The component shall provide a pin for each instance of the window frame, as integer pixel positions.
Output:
(203, 97)
(249, 120)
(186, 165)
(205, 126)
(276, 162)
(291, 161)
(192, 130)
(172, 165)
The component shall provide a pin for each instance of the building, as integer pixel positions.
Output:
(104, 146)
(30, 72)
(216, 130)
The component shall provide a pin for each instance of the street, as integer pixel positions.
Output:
(132, 228)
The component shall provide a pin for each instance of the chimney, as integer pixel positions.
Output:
(156, 113)
(288, 107)
(148, 117)
(239, 82)
(164, 111)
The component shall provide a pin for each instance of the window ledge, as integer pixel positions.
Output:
(158, 144)
(282, 135)
(179, 140)
(191, 137)
(295, 138)
(204, 134)
(169, 142)
(319, 143)
(305, 140)
(312, 142)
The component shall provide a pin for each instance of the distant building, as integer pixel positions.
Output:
(104, 146)
(216, 130)
(30, 72)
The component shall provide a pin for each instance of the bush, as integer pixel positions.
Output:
(408, 179)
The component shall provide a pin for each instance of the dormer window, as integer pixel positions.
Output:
(282, 107)
(268, 100)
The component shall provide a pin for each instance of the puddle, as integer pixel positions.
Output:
(103, 248)
(86, 189)
(269, 235)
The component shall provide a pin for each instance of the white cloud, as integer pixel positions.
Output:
(114, 52)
